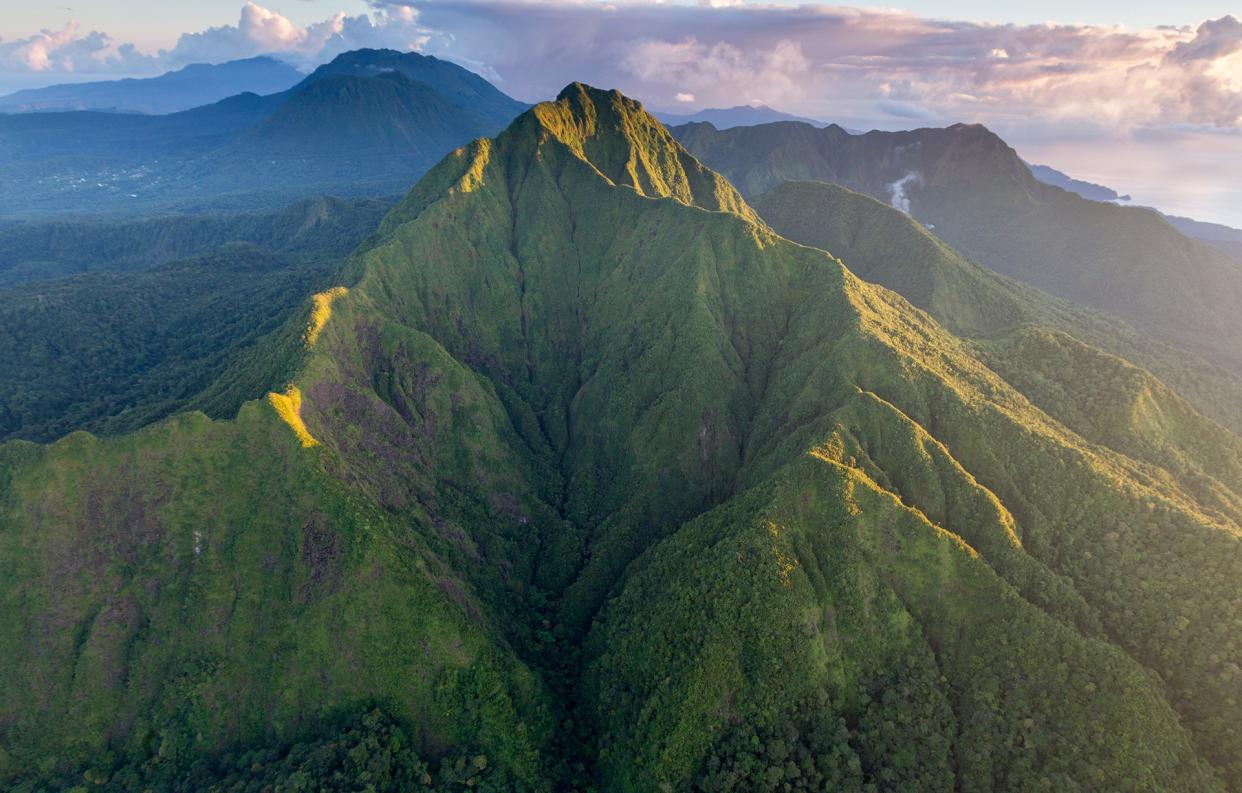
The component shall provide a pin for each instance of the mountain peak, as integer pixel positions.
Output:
(460, 86)
(629, 146)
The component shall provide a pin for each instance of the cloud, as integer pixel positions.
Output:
(770, 73)
(682, 96)
(851, 63)
(259, 31)
(68, 50)
(905, 110)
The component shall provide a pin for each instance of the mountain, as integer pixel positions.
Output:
(1095, 192)
(358, 127)
(459, 86)
(387, 114)
(888, 247)
(976, 193)
(188, 87)
(1217, 235)
(740, 116)
(582, 476)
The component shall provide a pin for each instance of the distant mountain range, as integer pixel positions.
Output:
(192, 86)
(1217, 235)
(1095, 192)
(740, 116)
(974, 191)
(367, 124)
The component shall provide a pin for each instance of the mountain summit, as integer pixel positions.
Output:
(460, 86)
(590, 479)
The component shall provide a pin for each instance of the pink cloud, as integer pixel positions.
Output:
(841, 62)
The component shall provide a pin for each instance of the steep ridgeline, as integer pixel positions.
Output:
(978, 195)
(588, 478)
(367, 124)
(173, 304)
(885, 246)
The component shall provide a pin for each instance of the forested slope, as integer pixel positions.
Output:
(586, 471)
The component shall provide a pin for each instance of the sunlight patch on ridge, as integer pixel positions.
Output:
(322, 312)
(289, 407)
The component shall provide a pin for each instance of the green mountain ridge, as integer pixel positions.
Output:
(978, 195)
(888, 247)
(593, 480)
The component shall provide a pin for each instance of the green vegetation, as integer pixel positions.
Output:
(591, 474)
(113, 351)
(888, 247)
(369, 751)
(978, 195)
(321, 227)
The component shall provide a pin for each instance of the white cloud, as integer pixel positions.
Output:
(68, 50)
(841, 63)
(262, 31)
(682, 96)
(259, 31)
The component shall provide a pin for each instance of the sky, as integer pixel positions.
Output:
(1144, 97)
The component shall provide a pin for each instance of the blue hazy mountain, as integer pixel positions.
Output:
(740, 116)
(369, 123)
(1091, 190)
(195, 85)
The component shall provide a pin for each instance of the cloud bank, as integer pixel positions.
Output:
(259, 31)
(850, 63)
(870, 66)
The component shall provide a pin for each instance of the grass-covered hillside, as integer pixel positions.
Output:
(975, 193)
(587, 479)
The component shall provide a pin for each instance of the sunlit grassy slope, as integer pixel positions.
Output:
(616, 488)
